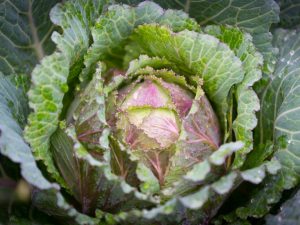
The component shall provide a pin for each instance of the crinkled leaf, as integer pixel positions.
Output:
(225, 183)
(87, 111)
(246, 98)
(200, 135)
(15, 148)
(110, 38)
(218, 157)
(195, 207)
(192, 52)
(45, 98)
(150, 183)
(279, 124)
(146, 61)
(89, 177)
(108, 190)
(49, 79)
(124, 166)
(255, 17)
(196, 200)
(202, 172)
(75, 17)
(199, 172)
(25, 34)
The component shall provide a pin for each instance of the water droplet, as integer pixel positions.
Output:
(292, 53)
(285, 38)
(282, 59)
(271, 200)
(288, 62)
(273, 62)
(289, 141)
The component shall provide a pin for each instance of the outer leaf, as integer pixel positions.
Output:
(281, 106)
(25, 34)
(255, 17)
(89, 175)
(246, 98)
(54, 204)
(288, 214)
(289, 13)
(13, 106)
(75, 17)
(45, 98)
(200, 205)
(279, 123)
(110, 38)
(111, 193)
(50, 78)
(14, 147)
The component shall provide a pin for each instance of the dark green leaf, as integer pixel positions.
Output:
(288, 214)
(289, 13)
(25, 34)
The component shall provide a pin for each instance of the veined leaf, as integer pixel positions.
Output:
(50, 78)
(196, 54)
(110, 38)
(199, 206)
(13, 113)
(15, 148)
(76, 18)
(279, 117)
(45, 98)
(88, 174)
(255, 17)
(246, 98)
(25, 34)
(289, 13)
(279, 123)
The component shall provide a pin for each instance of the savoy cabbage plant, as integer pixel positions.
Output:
(149, 112)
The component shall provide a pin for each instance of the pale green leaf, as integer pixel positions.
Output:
(196, 200)
(198, 172)
(195, 54)
(49, 79)
(254, 16)
(197, 206)
(149, 184)
(246, 98)
(45, 98)
(110, 37)
(219, 156)
(15, 148)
